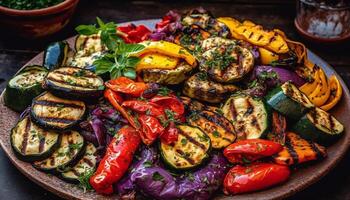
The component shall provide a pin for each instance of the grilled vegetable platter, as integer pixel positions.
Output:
(196, 107)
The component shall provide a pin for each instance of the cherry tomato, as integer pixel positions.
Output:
(250, 150)
(258, 176)
(150, 128)
(127, 86)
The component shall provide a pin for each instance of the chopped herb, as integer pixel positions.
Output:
(29, 4)
(164, 91)
(183, 141)
(84, 180)
(157, 177)
(75, 146)
(190, 177)
(216, 134)
(245, 160)
(182, 51)
(79, 73)
(202, 76)
(147, 163)
(219, 111)
(148, 112)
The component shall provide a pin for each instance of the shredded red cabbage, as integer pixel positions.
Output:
(166, 29)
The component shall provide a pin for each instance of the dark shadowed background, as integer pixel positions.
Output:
(15, 52)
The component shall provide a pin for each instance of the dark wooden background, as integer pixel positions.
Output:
(15, 52)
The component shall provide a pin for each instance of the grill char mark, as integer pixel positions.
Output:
(25, 136)
(193, 141)
(185, 157)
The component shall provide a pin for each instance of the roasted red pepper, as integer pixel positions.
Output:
(170, 102)
(116, 161)
(115, 99)
(134, 34)
(144, 107)
(170, 134)
(127, 86)
(250, 150)
(165, 21)
(258, 176)
(151, 128)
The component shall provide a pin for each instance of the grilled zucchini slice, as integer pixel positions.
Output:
(249, 116)
(85, 165)
(74, 83)
(288, 100)
(219, 129)
(71, 149)
(56, 113)
(32, 143)
(190, 150)
(56, 55)
(22, 88)
(226, 63)
(319, 126)
(200, 87)
(297, 150)
(196, 106)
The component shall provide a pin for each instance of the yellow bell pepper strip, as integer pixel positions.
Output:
(157, 61)
(166, 48)
(232, 24)
(336, 93)
(266, 56)
(322, 91)
(308, 88)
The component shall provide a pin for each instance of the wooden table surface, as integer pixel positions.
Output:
(15, 52)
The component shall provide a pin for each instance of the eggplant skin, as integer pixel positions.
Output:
(168, 76)
(207, 90)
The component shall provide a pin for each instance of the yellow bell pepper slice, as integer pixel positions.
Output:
(157, 61)
(308, 88)
(336, 93)
(322, 91)
(266, 56)
(166, 48)
(232, 24)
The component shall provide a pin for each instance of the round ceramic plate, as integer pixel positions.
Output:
(299, 180)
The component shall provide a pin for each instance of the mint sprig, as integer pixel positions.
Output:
(118, 61)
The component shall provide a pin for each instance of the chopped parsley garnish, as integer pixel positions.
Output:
(164, 91)
(84, 180)
(157, 177)
(183, 141)
(216, 134)
(147, 163)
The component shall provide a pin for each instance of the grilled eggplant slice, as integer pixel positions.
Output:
(319, 126)
(250, 116)
(32, 143)
(56, 113)
(69, 152)
(219, 129)
(22, 88)
(196, 106)
(200, 87)
(190, 150)
(288, 100)
(74, 83)
(85, 165)
(56, 55)
(168, 76)
(297, 150)
(226, 63)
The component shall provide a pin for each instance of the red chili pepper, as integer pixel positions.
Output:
(250, 150)
(127, 86)
(114, 98)
(144, 107)
(151, 129)
(134, 34)
(170, 102)
(116, 161)
(258, 176)
(170, 135)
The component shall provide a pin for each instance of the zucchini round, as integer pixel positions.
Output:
(23, 87)
(71, 149)
(250, 116)
(32, 143)
(288, 100)
(189, 151)
(56, 55)
(85, 165)
(219, 129)
(319, 126)
(200, 87)
(56, 113)
(74, 83)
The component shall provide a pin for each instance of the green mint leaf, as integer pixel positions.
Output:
(132, 61)
(103, 65)
(100, 22)
(86, 29)
(115, 73)
(130, 73)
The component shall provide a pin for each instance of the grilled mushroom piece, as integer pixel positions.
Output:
(225, 61)
(200, 87)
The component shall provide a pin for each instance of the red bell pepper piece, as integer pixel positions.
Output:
(134, 34)
(151, 128)
(115, 99)
(127, 86)
(171, 134)
(258, 176)
(116, 161)
(170, 102)
(144, 107)
(250, 150)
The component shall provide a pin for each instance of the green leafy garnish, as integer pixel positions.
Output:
(164, 91)
(157, 177)
(84, 180)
